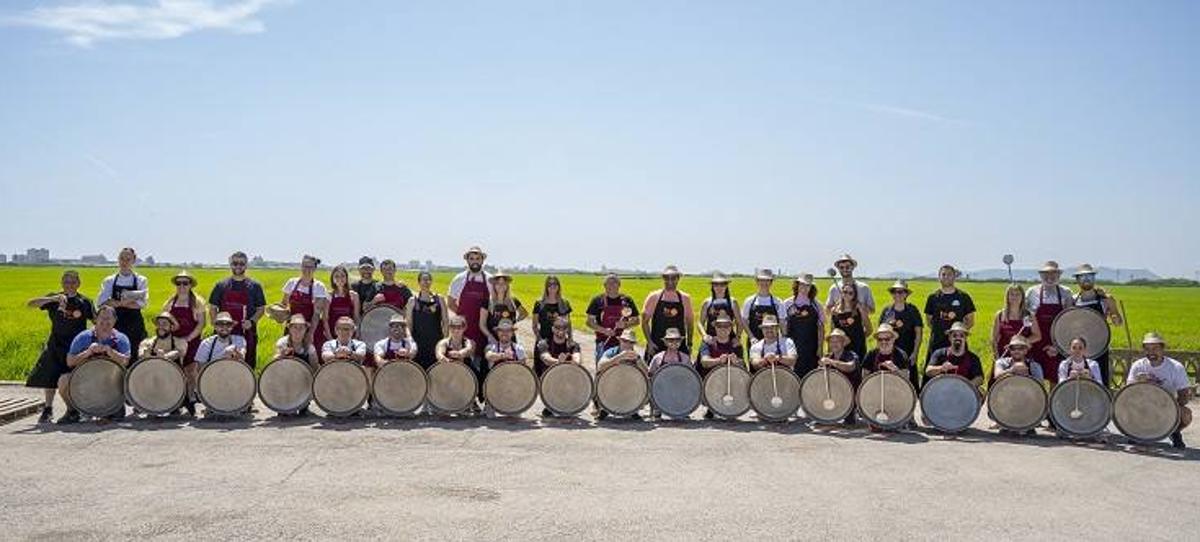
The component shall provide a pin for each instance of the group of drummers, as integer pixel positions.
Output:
(376, 344)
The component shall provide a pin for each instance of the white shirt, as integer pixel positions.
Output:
(1033, 297)
(358, 347)
(460, 280)
(283, 343)
(213, 348)
(781, 346)
(1171, 374)
(1064, 369)
(864, 294)
(134, 280)
(1035, 368)
(317, 289)
(386, 343)
(764, 301)
(519, 350)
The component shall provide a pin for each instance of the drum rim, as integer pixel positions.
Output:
(200, 378)
(71, 387)
(375, 308)
(890, 425)
(591, 387)
(129, 397)
(1116, 422)
(699, 396)
(258, 384)
(1058, 423)
(799, 401)
(1041, 417)
(359, 405)
(978, 402)
(713, 371)
(1064, 348)
(645, 395)
(537, 388)
(467, 403)
(393, 412)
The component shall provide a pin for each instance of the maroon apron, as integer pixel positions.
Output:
(236, 302)
(610, 315)
(1008, 330)
(187, 323)
(342, 305)
(395, 295)
(474, 296)
(1045, 315)
(302, 303)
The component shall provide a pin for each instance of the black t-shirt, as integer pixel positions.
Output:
(943, 310)
(968, 363)
(253, 288)
(906, 322)
(66, 324)
(547, 312)
(554, 349)
(366, 290)
(898, 357)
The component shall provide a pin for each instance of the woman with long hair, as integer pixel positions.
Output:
(549, 308)
(852, 318)
(805, 324)
(429, 320)
(343, 300)
(306, 296)
(189, 312)
(1012, 320)
(501, 305)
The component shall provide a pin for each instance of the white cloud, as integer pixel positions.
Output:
(85, 23)
(905, 112)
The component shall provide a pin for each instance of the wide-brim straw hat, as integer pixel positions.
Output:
(769, 321)
(170, 318)
(474, 250)
(886, 329)
(958, 326)
(805, 279)
(1085, 269)
(846, 258)
(504, 324)
(397, 319)
(223, 318)
(1050, 266)
(278, 313)
(837, 334)
(297, 320)
(899, 286)
(500, 274)
(183, 274)
(672, 334)
(719, 278)
(1019, 340)
(1153, 338)
(628, 336)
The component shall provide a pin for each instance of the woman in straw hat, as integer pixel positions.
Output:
(501, 306)
(805, 323)
(719, 302)
(294, 343)
(905, 320)
(189, 313)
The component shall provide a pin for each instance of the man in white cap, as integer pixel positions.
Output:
(1169, 374)
(772, 348)
(845, 266)
(946, 306)
(624, 352)
(223, 343)
(1045, 301)
(469, 292)
(956, 358)
(668, 307)
(763, 303)
(1097, 299)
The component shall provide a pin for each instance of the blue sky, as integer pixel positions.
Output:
(725, 135)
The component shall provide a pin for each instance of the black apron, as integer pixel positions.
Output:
(850, 322)
(64, 326)
(757, 312)
(716, 307)
(427, 329)
(547, 314)
(667, 315)
(803, 327)
(1096, 303)
(129, 321)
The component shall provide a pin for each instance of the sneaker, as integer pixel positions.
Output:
(120, 415)
(47, 415)
(655, 414)
(191, 409)
(636, 416)
(708, 414)
(72, 416)
(1177, 440)
(546, 413)
(602, 415)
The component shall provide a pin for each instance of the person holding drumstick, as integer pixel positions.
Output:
(222, 344)
(306, 296)
(294, 344)
(1097, 299)
(343, 300)
(624, 352)
(1077, 364)
(853, 318)
(429, 320)
(1045, 301)
(164, 344)
(560, 348)
(188, 312)
(956, 358)
(772, 348)
(501, 306)
(1168, 373)
(723, 348)
(805, 324)
(842, 358)
(610, 314)
(905, 320)
(668, 307)
(886, 356)
(242, 298)
(946, 306)
(763, 303)
(69, 312)
(127, 292)
(1012, 321)
(845, 266)
(719, 302)
(102, 341)
(548, 309)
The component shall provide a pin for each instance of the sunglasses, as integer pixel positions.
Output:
(238, 264)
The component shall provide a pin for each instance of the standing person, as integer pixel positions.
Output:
(69, 312)
(720, 301)
(905, 320)
(842, 358)
(945, 307)
(805, 324)
(760, 305)
(1045, 301)
(243, 299)
(668, 307)
(1011, 321)
(306, 296)
(886, 356)
(501, 306)
(102, 341)
(853, 318)
(366, 286)
(188, 311)
(469, 292)
(222, 343)
(127, 292)
(343, 301)
(610, 314)
(845, 267)
(1097, 299)
(560, 348)
(956, 358)
(1169, 374)
(429, 319)
(391, 292)
(549, 308)
(294, 343)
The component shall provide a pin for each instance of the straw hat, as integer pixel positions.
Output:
(958, 326)
(183, 274)
(1153, 338)
(671, 271)
(504, 324)
(719, 278)
(837, 334)
(297, 320)
(765, 274)
(397, 319)
(672, 334)
(885, 329)
(1050, 266)
(628, 336)
(223, 318)
(846, 258)
(499, 274)
(722, 319)
(769, 320)
(278, 312)
(170, 318)
(900, 285)
(457, 321)
(474, 250)
(1018, 340)
(806, 279)
(1085, 269)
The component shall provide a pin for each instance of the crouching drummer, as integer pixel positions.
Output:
(560, 348)
(772, 349)
(1078, 365)
(624, 352)
(456, 348)
(956, 358)
(842, 358)
(673, 340)
(397, 345)
(1016, 362)
(102, 341)
(295, 343)
(723, 348)
(223, 344)
(1168, 373)
(503, 350)
(886, 357)
(344, 347)
(164, 344)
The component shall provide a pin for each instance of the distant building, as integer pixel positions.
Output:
(257, 261)
(429, 265)
(37, 255)
(414, 264)
(94, 259)
(18, 258)
(149, 260)
(3, 258)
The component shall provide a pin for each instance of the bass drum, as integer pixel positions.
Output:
(1145, 412)
(286, 385)
(950, 403)
(341, 387)
(566, 388)
(155, 386)
(827, 395)
(1017, 402)
(97, 387)
(675, 389)
(886, 399)
(775, 393)
(622, 389)
(452, 387)
(727, 390)
(226, 387)
(399, 387)
(1081, 322)
(373, 327)
(1080, 407)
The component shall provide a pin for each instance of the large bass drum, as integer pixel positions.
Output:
(727, 390)
(97, 387)
(950, 403)
(775, 393)
(226, 387)
(373, 327)
(452, 387)
(886, 399)
(399, 387)
(826, 395)
(675, 389)
(566, 388)
(510, 388)
(155, 386)
(1080, 407)
(341, 387)
(1017, 402)
(1145, 412)
(286, 385)
(1081, 322)
(622, 389)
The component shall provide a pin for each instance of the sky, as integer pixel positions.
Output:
(712, 135)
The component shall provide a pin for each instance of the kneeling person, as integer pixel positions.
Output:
(102, 341)
(1169, 374)
(845, 360)
(560, 348)
(503, 350)
(164, 344)
(223, 344)
(671, 355)
(344, 347)
(955, 359)
(397, 345)
(624, 353)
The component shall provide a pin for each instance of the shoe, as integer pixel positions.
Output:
(303, 412)
(191, 409)
(120, 415)
(708, 414)
(489, 412)
(655, 414)
(635, 416)
(603, 415)
(47, 415)
(72, 416)
(546, 413)
(1177, 440)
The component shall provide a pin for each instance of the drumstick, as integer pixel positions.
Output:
(828, 403)
(1125, 321)
(727, 399)
(882, 415)
(1076, 413)
(776, 401)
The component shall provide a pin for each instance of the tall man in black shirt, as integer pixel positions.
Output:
(945, 307)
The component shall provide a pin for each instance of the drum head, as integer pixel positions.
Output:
(285, 385)
(511, 388)
(622, 389)
(950, 403)
(374, 324)
(1088, 400)
(226, 386)
(399, 387)
(452, 387)
(775, 393)
(155, 386)
(97, 387)
(887, 399)
(1081, 322)
(675, 389)
(567, 388)
(1145, 412)
(340, 388)
(827, 404)
(1017, 403)
(727, 390)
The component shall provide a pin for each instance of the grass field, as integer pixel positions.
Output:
(1171, 311)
